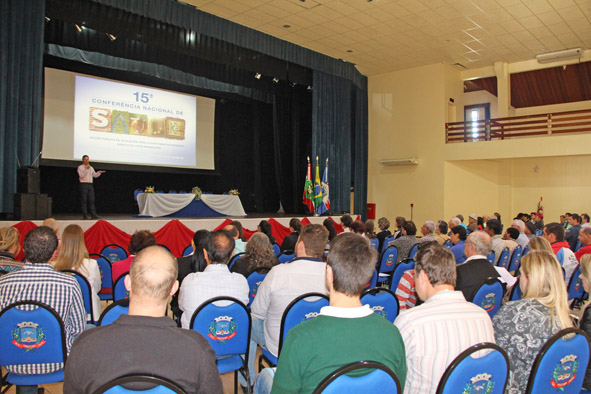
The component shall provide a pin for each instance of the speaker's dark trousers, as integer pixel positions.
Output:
(87, 197)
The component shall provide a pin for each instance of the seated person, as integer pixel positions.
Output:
(472, 272)
(312, 350)
(288, 244)
(140, 240)
(458, 238)
(405, 243)
(259, 256)
(9, 248)
(554, 233)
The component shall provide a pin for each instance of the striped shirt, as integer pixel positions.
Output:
(40, 282)
(435, 332)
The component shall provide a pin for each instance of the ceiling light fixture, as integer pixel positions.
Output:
(275, 80)
(574, 53)
(47, 19)
(257, 75)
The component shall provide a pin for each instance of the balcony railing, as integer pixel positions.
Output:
(519, 126)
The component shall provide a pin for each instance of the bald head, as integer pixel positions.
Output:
(153, 273)
(481, 242)
(51, 223)
(232, 231)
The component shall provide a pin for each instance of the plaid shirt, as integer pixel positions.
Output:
(40, 282)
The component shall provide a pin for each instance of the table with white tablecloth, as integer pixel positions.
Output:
(185, 205)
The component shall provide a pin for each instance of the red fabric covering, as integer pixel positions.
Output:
(337, 226)
(102, 234)
(305, 222)
(175, 235)
(224, 224)
(279, 231)
(23, 229)
(248, 233)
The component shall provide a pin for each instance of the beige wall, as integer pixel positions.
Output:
(407, 114)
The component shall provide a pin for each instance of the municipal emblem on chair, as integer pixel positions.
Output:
(390, 260)
(255, 288)
(222, 329)
(28, 335)
(489, 302)
(578, 283)
(480, 384)
(380, 310)
(565, 372)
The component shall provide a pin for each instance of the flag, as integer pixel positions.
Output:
(309, 189)
(325, 205)
(317, 188)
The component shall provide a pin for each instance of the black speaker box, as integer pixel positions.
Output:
(28, 180)
(43, 206)
(25, 205)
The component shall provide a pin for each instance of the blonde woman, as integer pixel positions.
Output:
(74, 256)
(258, 256)
(585, 324)
(9, 248)
(522, 327)
(540, 243)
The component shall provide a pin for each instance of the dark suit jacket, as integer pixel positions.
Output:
(290, 241)
(471, 274)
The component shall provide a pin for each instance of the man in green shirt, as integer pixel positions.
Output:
(344, 332)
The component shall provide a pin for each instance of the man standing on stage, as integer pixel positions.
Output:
(85, 174)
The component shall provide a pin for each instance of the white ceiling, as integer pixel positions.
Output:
(386, 35)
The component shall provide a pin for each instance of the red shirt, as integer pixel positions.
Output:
(583, 251)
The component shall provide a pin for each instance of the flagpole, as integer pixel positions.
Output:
(315, 205)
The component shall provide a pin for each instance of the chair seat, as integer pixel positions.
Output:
(18, 379)
(269, 356)
(229, 364)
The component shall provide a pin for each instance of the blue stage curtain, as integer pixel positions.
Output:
(339, 127)
(21, 72)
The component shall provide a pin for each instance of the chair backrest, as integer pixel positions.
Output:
(382, 301)
(504, 258)
(387, 240)
(302, 308)
(254, 281)
(276, 249)
(188, 250)
(525, 250)
(119, 290)
(285, 257)
(161, 385)
(375, 243)
(114, 252)
(515, 260)
(373, 282)
(539, 233)
(448, 243)
(578, 246)
(234, 259)
(136, 192)
(31, 333)
(489, 295)
(575, 285)
(381, 380)
(561, 363)
(413, 251)
(468, 374)
(491, 257)
(515, 292)
(387, 260)
(404, 265)
(113, 311)
(225, 323)
(86, 292)
(106, 270)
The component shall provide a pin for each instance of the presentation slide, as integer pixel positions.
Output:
(117, 122)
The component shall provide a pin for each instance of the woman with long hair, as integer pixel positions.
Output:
(259, 256)
(74, 256)
(265, 228)
(522, 327)
(9, 248)
(332, 231)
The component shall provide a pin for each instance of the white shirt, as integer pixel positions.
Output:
(91, 272)
(346, 313)
(281, 286)
(215, 281)
(435, 332)
(522, 240)
(239, 246)
(85, 175)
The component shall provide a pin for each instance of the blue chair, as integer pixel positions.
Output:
(114, 252)
(491, 257)
(119, 290)
(254, 281)
(382, 301)
(387, 240)
(556, 365)
(285, 258)
(525, 250)
(489, 295)
(106, 270)
(113, 311)
(575, 285)
(188, 250)
(373, 282)
(136, 192)
(172, 192)
(302, 308)
(375, 243)
(234, 259)
(381, 380)
(504, 258)
(485, 374)
(403, 266)
(161, 385)
(386, 264)
(448, 244)
(86, 293)
(515, 261)
(515, 292)
(28, 337)
(539, 233)
(578, 246)
(225, 322)
(413, 251)
(276, 249)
